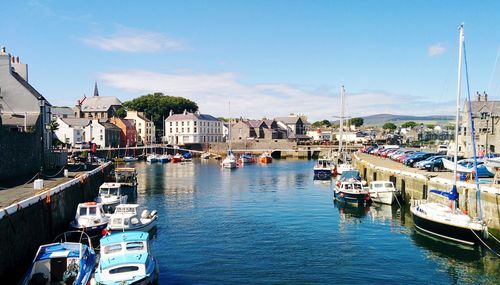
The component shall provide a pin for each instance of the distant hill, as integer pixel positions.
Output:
(380, 119)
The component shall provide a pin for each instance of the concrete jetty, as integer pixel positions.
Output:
(416, 183)
(30, 218)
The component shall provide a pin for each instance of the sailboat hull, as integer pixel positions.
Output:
(463, 235)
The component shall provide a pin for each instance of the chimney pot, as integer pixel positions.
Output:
(3, 50)
(485, 96)
(17, 59)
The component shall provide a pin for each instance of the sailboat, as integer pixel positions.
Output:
(230, 160)
(449, 222)
(343, 163)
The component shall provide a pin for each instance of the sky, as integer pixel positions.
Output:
(258, 59)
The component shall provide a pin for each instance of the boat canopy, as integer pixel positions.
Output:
(451, 195)
(125, 236)
(58, 250)
(350, 174)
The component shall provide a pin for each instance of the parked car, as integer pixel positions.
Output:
(388, 152)
(410, 161)
(429, 160)
(403, 155)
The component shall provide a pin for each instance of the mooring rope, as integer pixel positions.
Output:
(494, 252)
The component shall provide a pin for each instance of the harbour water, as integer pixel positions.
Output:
(272, 224)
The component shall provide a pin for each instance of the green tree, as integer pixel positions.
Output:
(121, 112)
(158, 106)
(389, 126)
(409, 124)
(326, 123)
(356, 121)
(430, 126)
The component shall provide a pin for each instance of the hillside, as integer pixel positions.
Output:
(380, 119)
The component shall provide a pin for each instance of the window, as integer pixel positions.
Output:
(195, 128)
(112, 248)
(170, 129)
(123, 269)
(195, 123)
(83, 211)
(135, 245)
(170, 123)
(92, 211)
(188, 130)
(102, 137)
(182, 130)
(182, 123)
(176, 123)
(140, 131)
(139, 124)
(176, 130)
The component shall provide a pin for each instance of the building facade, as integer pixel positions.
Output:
(145, 129)
(128, 132)
(71, 130)
(103, 134)
(293, 125)
(187, 128)
(97, 107)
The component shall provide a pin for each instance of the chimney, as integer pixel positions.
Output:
(478, 97)
(3, 51)
(485, 96)
(171, 113)
(185, 112)
(20, 68)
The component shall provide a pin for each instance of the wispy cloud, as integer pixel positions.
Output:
(134, 40)
(213, 91)
(436, 49)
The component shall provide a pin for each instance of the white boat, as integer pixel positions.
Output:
(342, 162)
(126, 259)
(342, 167)
(90, 218)
(322, 169)
(126, 218)
(230, 160)
(449, 222)
(247, 158)
(110, 196)
(164, 158)
(205, 155)
(493, 164)
(383, 192)
(129, 159)
(152, 158)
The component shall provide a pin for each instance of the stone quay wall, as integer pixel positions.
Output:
(37, 220)
(21, 154)
(417, 186)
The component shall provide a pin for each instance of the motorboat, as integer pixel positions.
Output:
(218, 157)
(177, 158)
(205, 155)
(230, 160)
(247, 158)
(351, 191)
(63, 262)
(127, 178)
(467, 166)
(152, 158)
(342, 167)
(130, 159)
(187, 155)
(126, 259)
(126, 218)
(265, 158)
(164, 158)
(383, 192)
(323, 169)
(91, 219)
(110, 196)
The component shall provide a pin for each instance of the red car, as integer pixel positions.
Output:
(389, 152)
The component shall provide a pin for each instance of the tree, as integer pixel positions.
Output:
(389, 126)
(326, 123)
(158, 106)
(356, 121)
(409, 124)
(323, 123)
(121, 112)
(430, 126)
(54, 125)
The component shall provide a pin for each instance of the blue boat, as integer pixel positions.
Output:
(323, 169)
(126, 259)
(350, 189)
(187, 155)
(62, 262)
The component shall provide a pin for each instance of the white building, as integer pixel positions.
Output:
(319, 135)
(144, 127)
(71, 130)
(188, 127)
(103, 134)
(351, 137)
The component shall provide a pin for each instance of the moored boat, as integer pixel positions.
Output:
(265, 158)
(351, 191)
(205, 155)
(90, 218)
(164, 158)
(177, 158)
(247, 158)
(383, 192)
(130, 159)
(152, 158)
(110, 196)
(126, 218)
(127, 178)
(230, 160)
(323, 169)
(126, 259)
(62, 262)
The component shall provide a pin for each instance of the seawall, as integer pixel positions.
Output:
(27, 224)
(417, 185)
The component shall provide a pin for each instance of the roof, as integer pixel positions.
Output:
(10, 119)
(58, 111)
(492, 106)
(288, 120)
(255, 123)
(76, 122)
(121, 259)
(29, 87)
(99, 103)
(109, 125)
(67, 249)
(191, 116)
(124, 236)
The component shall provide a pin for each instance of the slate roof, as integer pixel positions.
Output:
(191, 116)
(492, 106)
(109, 125)
(59, 111)
(288, 120)
(99, 103)
(76, 122)
(255, 123)
(10, 120)
(29, 87)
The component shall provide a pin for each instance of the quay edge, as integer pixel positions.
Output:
(416, 185)
(30, 223)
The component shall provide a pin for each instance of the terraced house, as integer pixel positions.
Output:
(189, 128)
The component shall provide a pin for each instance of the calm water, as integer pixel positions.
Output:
(272, 224)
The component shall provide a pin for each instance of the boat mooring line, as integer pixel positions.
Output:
(497, 255)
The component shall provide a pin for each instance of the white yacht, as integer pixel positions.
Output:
(90, 218)
(383, 192)
(126, 218)
(110, 196)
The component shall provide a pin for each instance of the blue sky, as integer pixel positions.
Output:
(269, 58)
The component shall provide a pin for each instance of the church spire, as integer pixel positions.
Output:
(96, 91)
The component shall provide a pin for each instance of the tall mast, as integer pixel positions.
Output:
(459, 86)
(229, 133)
(341, 124)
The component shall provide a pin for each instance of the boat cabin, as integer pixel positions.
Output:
(125, 256)
(324, 163)
(110, 189)
(352, 187)
(382, 186)
(126, 176)
(90, 210)
(124, 216)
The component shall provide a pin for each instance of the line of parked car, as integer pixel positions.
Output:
(424, 160)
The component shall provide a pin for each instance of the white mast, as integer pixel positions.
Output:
(459, 86)
(341, 124)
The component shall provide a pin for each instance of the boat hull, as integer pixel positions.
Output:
(458, 234)
(93, 232)
(143, 228)
(383, 197)
(265, 159)
(352, 198)
(322, 174)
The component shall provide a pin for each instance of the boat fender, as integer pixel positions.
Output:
(153, 213)
(144, 214)
(134, 221)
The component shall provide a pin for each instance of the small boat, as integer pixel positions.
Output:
(126, 218)
(349, 189)
(110, 196)
(164, 158)
(247, 158)
(341, 167)
(152, 158)
(218, 157)
(126, 259)
(230, 160)
(467, 166)
(177, 158)
(187, 155)
(205, 155)
(130, 159)
(127, 178)
(383, 192)
(62, 262)
(90, 218)
(265, 158)
(323, 169)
